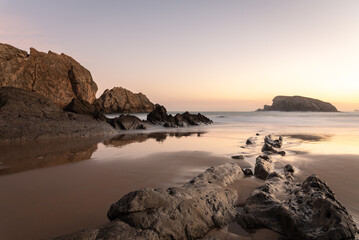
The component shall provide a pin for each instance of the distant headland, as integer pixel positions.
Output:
(298, 104)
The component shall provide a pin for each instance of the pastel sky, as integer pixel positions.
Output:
(203, 54)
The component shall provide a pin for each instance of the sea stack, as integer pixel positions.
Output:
(121, 100)
(298, 104)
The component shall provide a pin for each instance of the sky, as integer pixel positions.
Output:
(204, 54)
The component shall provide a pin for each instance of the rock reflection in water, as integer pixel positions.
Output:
(125, 139)
(22, 156)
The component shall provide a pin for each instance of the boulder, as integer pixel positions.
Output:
(121, 100)
(308, 211)
(248, 172)
(26, 115)
(186, 212)
(250, 141)
(128, 122)
(298, 104)
(159, 116)
(57, 77)
(263, 167)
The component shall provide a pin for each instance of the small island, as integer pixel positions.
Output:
(298, 104)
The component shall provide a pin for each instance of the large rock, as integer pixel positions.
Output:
(56, 76)
(263, 166)
(187, 212)
(121, 100)
(26, 115)
(298, 104)
(308, 211)
(159, 116)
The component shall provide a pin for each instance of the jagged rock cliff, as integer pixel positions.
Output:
(121, 100)
(55, 76)
(298, 104)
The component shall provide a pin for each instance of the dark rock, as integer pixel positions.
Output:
(58, 77)
(159, 116)
(128, 122)
(289, 168)
(309, 211)
(85, 108)
(257, 134)
(25, 115)
(299, 104)
(277, 143)
(239, 157)
(263, 167)
(186, 212)
(121, 100)
(250, 141)
(248, 172)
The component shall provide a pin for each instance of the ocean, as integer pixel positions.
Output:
(50, 188)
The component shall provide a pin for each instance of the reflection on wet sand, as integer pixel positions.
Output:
(125, 139)
(308, 137)
(22, 156)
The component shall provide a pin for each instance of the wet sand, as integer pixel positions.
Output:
(50, 202)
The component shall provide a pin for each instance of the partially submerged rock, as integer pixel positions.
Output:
(57, 77)
(187, 212)
(270, 145)
(299, 104)
(128, 122)
(159, 116)
(250, 141)
(121, 100)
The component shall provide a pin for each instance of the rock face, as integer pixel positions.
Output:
(159, 116)
(186, 212)
(298, 104)
(308, 211)
(121, 100)
(56, 76)
(25, 115)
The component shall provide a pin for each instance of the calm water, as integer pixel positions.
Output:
(51, 188)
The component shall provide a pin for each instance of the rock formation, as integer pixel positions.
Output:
(121, 100)
(298, 104)
(187, 212)
(159, 116)
(128, 122)
(56, 76)
(26, 115)
(308, 211)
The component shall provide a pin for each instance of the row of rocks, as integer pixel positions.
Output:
(307, 210)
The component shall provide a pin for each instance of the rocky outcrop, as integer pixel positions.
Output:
(26, 115)
(56, 76)
(85, 108)
(159, 116)
(298, 104)
(270, 145)
(263, 167)
(128, 122)
(121, 100)
(187, 212)
(308, 211)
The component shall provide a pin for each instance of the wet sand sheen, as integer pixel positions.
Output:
(50, 202)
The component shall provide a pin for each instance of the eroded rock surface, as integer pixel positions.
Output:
(58, 77)
(308, 211)
(25, 115)
(159, 116)
(299, 104)
(121, 100)
(263, 167)
(187, 212)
